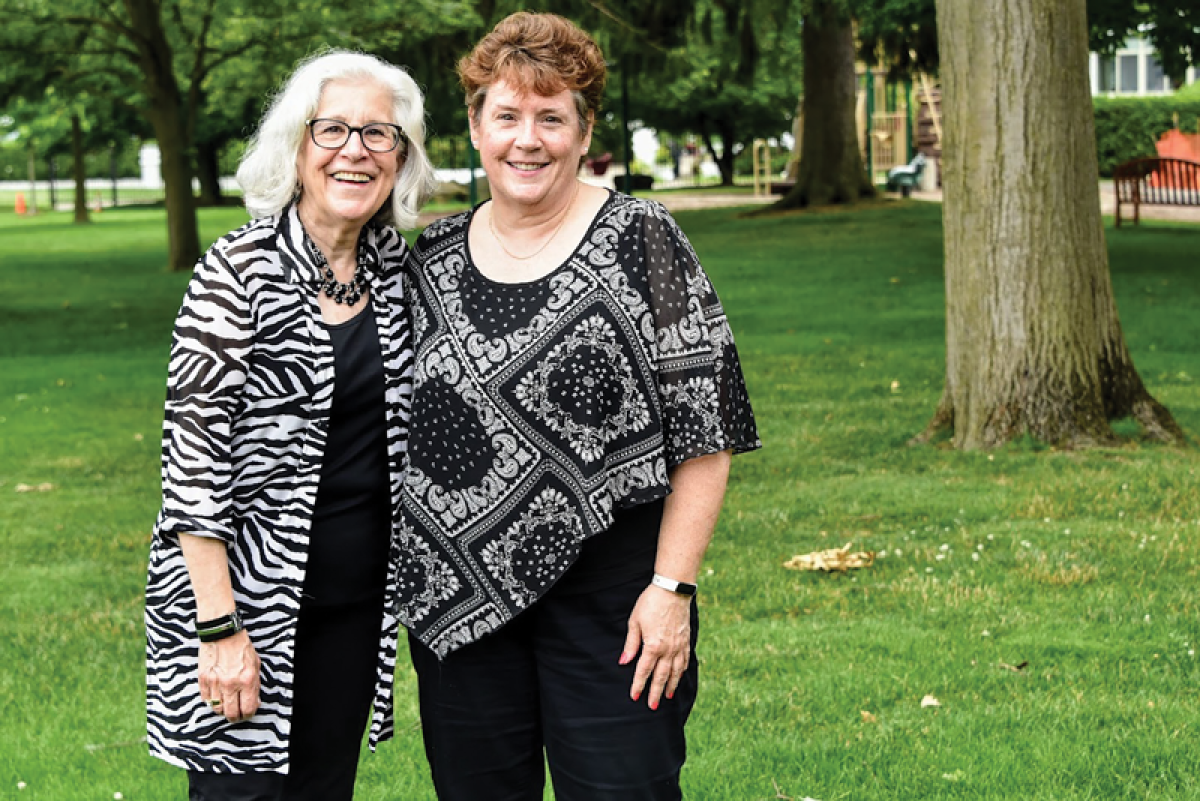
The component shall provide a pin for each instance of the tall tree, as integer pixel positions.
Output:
(1033, 342)
(734, 77)
(831, 164)
(162, 53)
(49, 124)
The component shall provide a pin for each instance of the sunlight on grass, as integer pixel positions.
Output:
(1046, 599)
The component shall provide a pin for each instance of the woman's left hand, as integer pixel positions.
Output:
(660, 626)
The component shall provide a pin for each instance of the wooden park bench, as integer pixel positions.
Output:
(1157, 181)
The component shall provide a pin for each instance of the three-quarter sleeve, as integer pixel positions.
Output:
(706, 407)
(210, 350)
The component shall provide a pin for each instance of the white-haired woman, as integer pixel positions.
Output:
(286, 418)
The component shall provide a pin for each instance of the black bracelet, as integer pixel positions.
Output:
(219, 628)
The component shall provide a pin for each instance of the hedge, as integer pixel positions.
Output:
(1128, 127)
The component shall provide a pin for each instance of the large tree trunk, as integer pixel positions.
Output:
(723, 160)
(1033, 343)
(208, 172)
(165, 112)
(831, 165)
(79, 171)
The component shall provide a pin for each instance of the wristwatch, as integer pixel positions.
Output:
(671, 585)
(219, 628)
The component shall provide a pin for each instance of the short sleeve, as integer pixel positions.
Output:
(706, 407)
(210, 350)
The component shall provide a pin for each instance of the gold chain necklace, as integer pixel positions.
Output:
(557, 228)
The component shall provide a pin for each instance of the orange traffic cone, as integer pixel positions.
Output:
(20, 209)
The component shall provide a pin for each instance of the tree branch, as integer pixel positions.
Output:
(641, 34)
(115, 26)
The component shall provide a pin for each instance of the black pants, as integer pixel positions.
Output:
(549, 679)
(336, 652)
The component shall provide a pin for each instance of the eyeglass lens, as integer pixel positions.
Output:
(377, 136)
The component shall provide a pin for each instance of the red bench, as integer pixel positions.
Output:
(1157, 181)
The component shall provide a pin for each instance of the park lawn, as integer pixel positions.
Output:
(1046, 599)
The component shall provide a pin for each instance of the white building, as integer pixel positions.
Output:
(1134, 70)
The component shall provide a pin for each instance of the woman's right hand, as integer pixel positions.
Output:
(229, 674)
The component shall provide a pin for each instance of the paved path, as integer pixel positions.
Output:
(1108, 205)
(685, 201)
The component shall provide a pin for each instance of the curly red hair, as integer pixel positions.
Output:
(539, 52)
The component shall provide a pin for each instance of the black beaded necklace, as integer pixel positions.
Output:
(349, 292)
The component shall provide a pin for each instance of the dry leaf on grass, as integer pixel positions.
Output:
(831, 560)
(929, 700)
(1014, 668)
(44, 487)
(868, 717)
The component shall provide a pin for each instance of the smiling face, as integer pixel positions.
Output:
(529, 144)
(342, 189)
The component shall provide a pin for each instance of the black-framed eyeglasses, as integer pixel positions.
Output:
(378, 137)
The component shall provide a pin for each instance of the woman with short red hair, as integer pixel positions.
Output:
(577, 396)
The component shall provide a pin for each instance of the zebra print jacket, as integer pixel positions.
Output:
(249, 392)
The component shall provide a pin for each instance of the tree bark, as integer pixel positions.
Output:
(208, 172)
(831, 165)
(79, 171)
(1033, 342)
(723, 160)
(166, 114)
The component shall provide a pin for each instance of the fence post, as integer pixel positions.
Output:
(870, 77)
(908, 120)
(112, 170)
(51, 174)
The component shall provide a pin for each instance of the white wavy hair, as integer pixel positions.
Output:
(268, 174)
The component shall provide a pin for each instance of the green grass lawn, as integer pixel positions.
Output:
(1081, 567)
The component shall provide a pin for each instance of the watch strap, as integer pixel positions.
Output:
(219, 628)
(671, 585)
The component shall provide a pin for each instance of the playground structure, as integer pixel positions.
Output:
(761, 160)
(895, 122)
(898, 120)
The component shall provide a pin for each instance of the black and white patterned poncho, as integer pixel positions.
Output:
(541, 407)
(249, 396)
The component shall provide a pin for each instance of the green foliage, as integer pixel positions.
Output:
(14, 160)
(903, 33)
(1128, 127)
(899, 33)
(780, 156)
(736, 78)
(1172, 25)
(1189, 92)
(1047, 599)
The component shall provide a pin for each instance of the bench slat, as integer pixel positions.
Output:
(1156, 181)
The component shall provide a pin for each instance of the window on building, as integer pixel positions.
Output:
(1155, 78)
(1129, 73)
(1108, 75)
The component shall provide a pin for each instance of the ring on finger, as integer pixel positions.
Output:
(215, 703)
